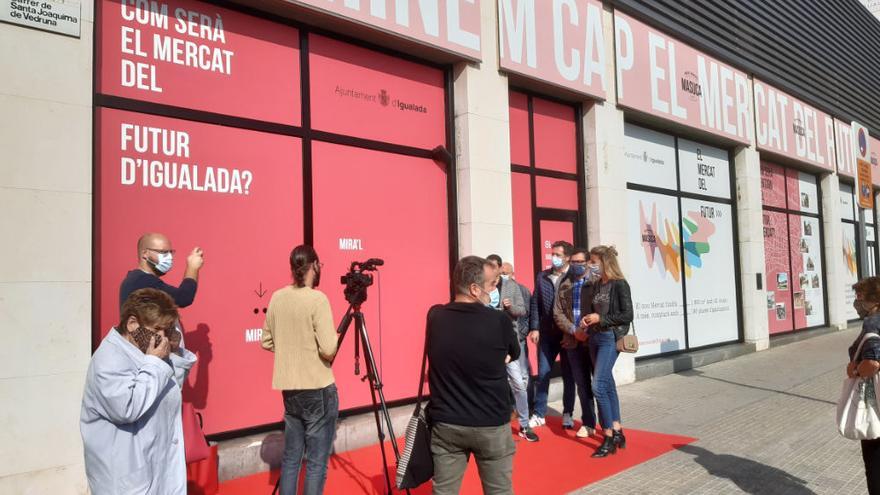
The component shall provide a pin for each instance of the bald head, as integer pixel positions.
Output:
(152, 240)
(507, 269)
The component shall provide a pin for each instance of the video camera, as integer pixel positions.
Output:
(356, 281)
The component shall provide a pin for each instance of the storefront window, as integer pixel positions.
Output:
(545, 181)
(682, 253)
(854, 268)
(792, 249)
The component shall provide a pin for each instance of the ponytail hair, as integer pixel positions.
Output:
(301, 259)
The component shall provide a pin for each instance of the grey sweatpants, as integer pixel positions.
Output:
(492, 448)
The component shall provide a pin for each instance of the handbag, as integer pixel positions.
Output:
(195, 445)
(858, 417)
(416, 464)
(202, 477)
(628, 343)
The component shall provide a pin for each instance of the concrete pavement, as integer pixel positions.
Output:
(764, 424)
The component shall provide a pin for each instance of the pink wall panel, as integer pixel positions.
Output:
(556, 193)
(555, 136)
(519, 129)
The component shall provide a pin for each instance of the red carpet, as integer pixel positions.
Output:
(559, 463)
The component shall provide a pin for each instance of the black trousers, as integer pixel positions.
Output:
(871, 456)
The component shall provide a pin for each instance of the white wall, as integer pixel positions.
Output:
(45, 273)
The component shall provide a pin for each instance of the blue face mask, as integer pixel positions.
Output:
(578, 270)
(494, 298)
(164, 262)
(595, 272)
(557, 261)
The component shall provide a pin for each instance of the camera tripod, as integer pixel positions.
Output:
(354, 314)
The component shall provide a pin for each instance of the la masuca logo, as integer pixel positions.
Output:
(690, 84)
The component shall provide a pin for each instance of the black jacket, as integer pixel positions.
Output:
(620, 307)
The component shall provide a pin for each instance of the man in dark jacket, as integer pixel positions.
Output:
(468, 347)
(548, 337)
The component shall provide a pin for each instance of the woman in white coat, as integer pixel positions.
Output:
(130, 421)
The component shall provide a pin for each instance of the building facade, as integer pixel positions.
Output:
(723, 168)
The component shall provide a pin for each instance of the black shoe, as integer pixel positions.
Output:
(619, 439)
(607, 448)
(527, 433)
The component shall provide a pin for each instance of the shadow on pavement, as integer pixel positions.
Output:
(749, 476)
(700, 374)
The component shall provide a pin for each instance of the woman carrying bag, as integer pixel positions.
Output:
(864, 363)
(608, 303)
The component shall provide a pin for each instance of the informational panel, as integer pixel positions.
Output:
(199, 56)
(360, 218)
(773, 185)
(555, 136)
(654, 272)
(236, 194)
(803, 191)
(847, 208)
(704, 169)
(789, 127)
(777, 269)
(661, 76)
(846, 164)
(367, 94)
(649, 157)
(850, 272)
(710, 278)
(562, 43)
(806, 261)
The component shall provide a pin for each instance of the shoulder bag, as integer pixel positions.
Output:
(857, 411)
(629, 342)
(416, 464)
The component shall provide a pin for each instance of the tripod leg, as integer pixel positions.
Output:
(373, 377)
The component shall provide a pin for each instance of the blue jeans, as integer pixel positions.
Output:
(549, 348)
(309, 427)
(581, 371)
(603, 352)
(518, 377)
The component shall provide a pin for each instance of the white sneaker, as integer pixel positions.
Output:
(567, 422)
(585, 432)
(536, 421)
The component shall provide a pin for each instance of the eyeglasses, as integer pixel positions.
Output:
(162, 251)
(579, 262)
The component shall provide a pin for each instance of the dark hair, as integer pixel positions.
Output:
(581, 250)
(150, 307)
(869, 289)
(567, 248)
(495, 259)
(301, 259)
(469, 270)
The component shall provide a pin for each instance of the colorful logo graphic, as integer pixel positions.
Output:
(849, 255)
(661, 241)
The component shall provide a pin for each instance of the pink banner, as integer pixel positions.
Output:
(519, 129)
(199, 56)
(367, 94)
(555, 136)
(451, 25)
(792, 128)
(561, 194)
(846, 165)
(562, 44)
(658, 75)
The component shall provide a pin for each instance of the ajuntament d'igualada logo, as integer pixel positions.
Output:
(382, 98)
(690, 84)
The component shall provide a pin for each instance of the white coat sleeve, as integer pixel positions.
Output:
(122, 396)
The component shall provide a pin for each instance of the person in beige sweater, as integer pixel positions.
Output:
(299, 330)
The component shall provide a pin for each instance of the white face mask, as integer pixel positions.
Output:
(505, 277)
(164, 262)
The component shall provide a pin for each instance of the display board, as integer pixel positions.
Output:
(199, 56)
(649, 157)
(849, 260)
(654, 272)
(237, 194)
(710, 278)
(704, 170)
(367, 228)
